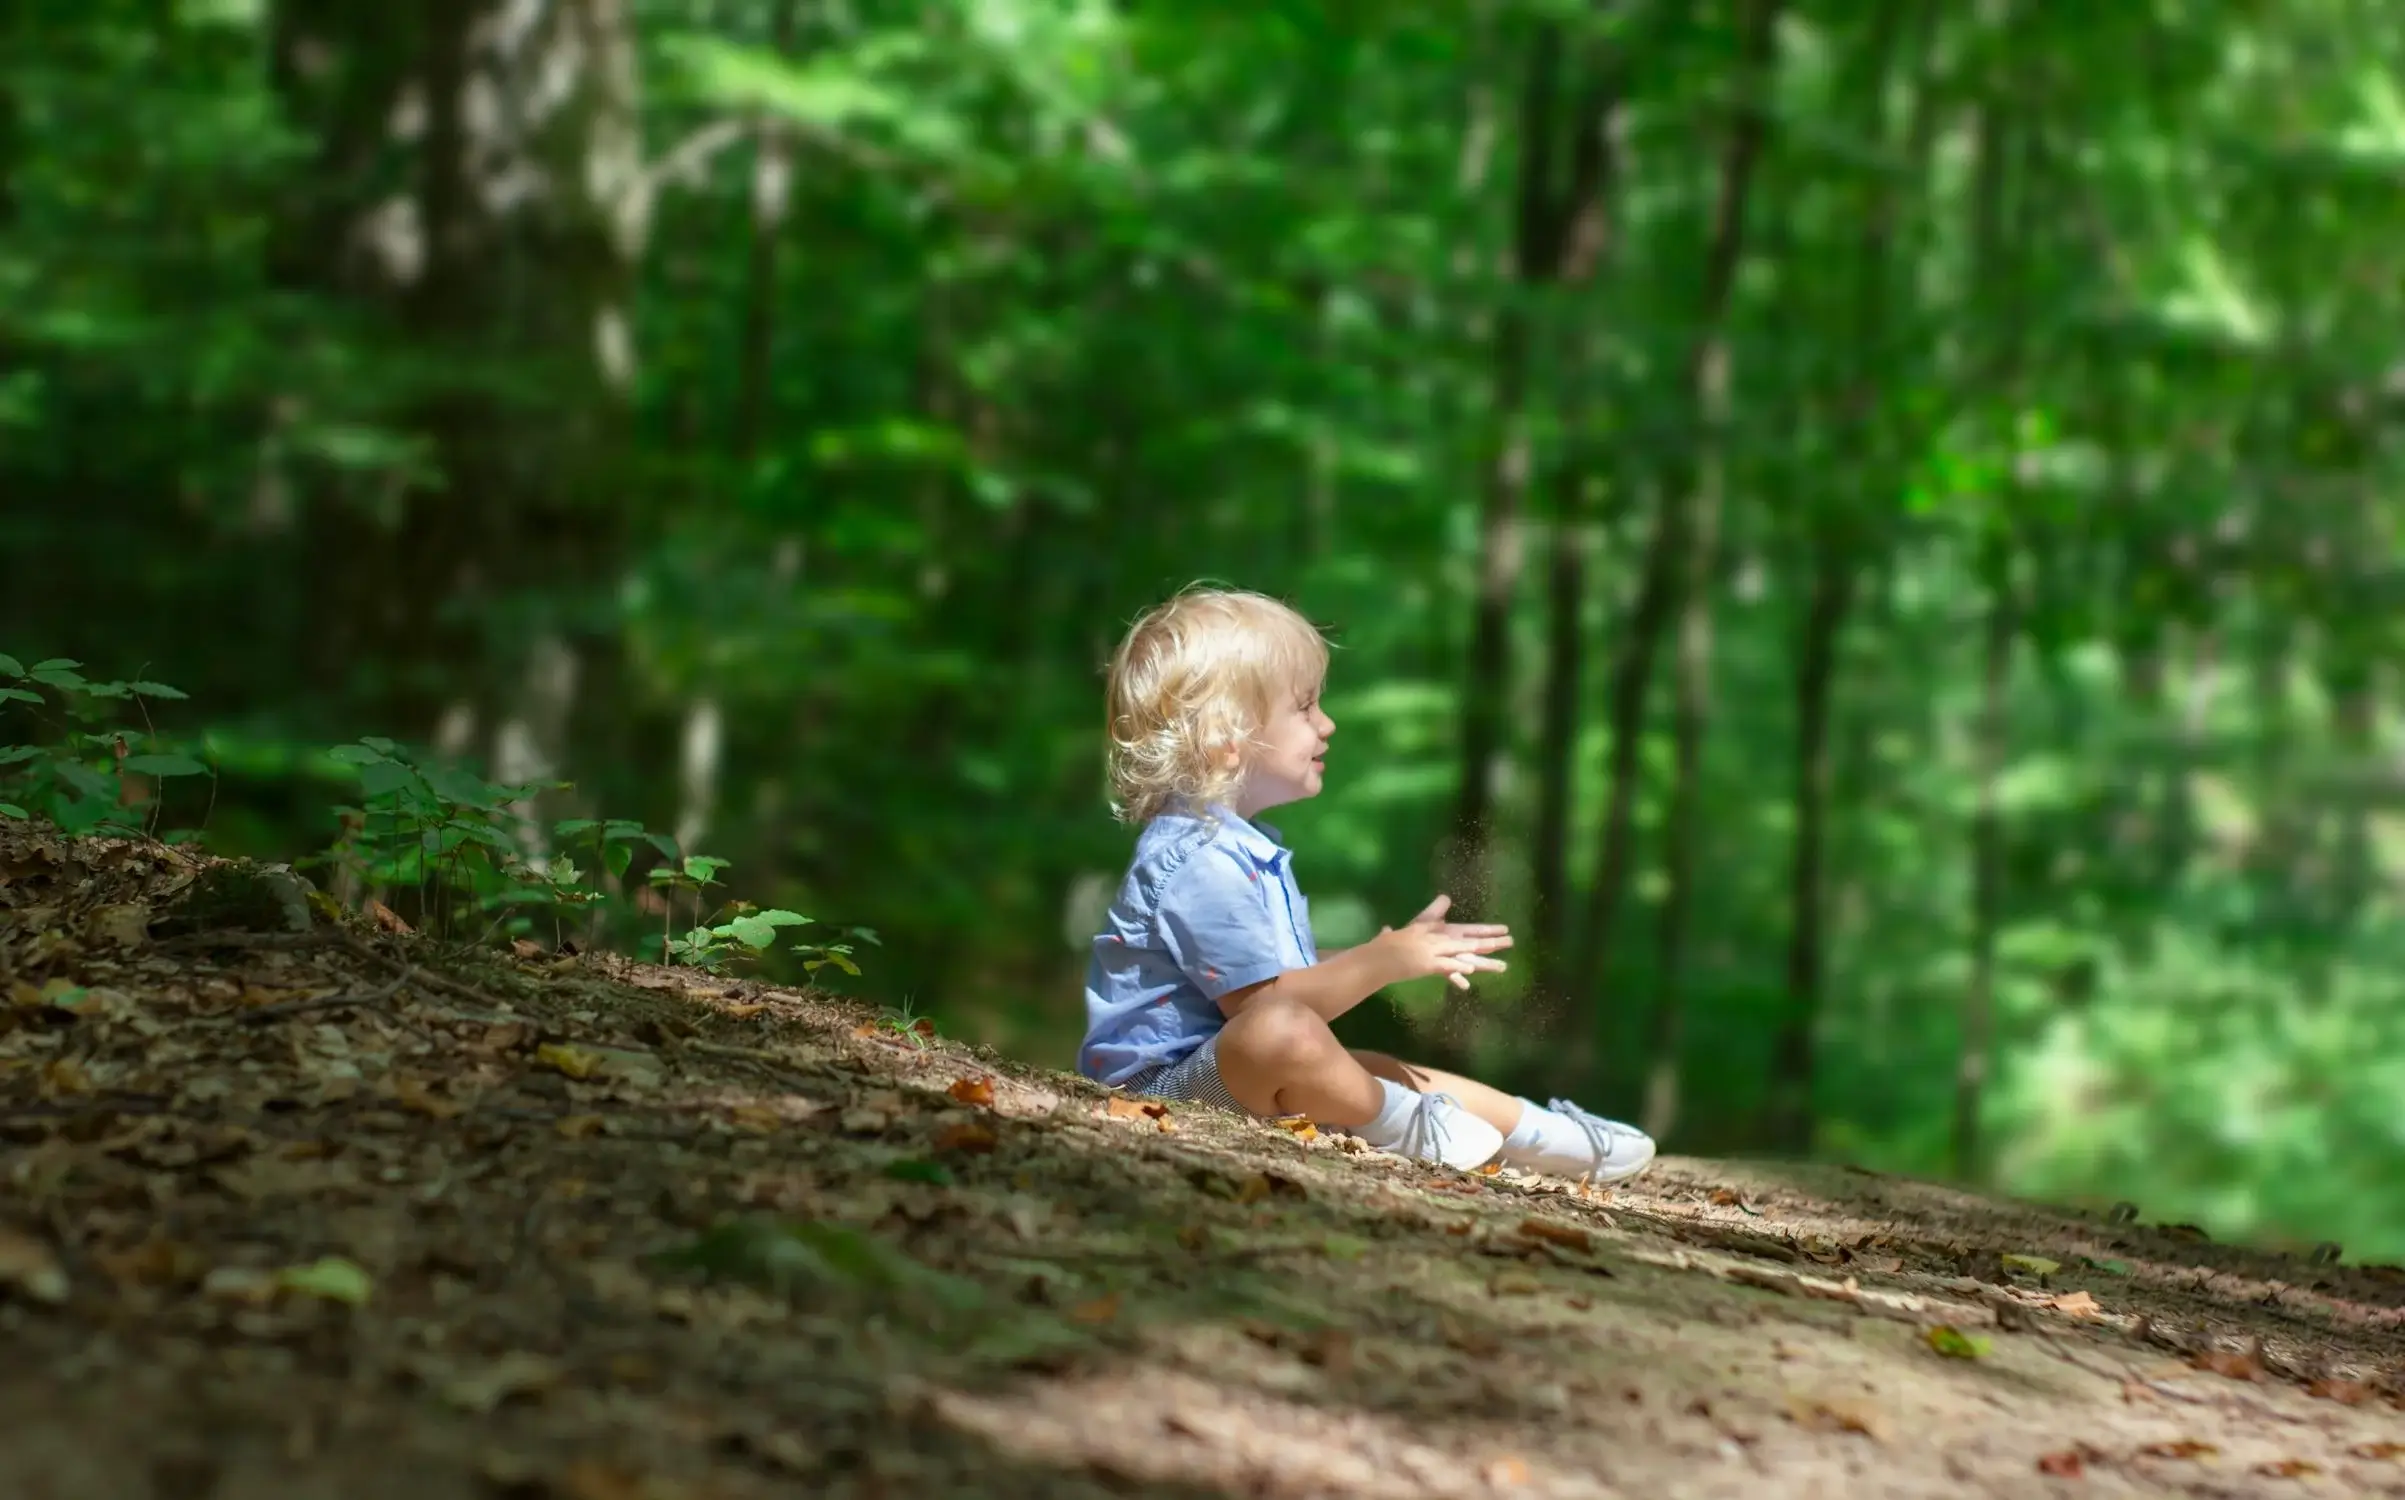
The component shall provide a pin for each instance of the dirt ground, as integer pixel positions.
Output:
(340, 1213)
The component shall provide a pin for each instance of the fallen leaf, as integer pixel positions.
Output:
(509, 1377)
(1299, 1126)
(2064, 1465)
(1727, 1198)
(2344, 1392)
(969, 1135)
(415, 1097)
(1568, 1236)
(1836, 1414)
(31, 1267)
(1103, 1309)
(2288, 1468)
(125, 926)
(525, 948)
(759, 1119)
(587, 1479)
(1507, 1472)
(1953, 1343)
(744, 1012)
(2377, 1452)
(331, 1278)
(1121, 1107)
(573, 1061)
(2234, 1364)
(2185, 1448)
(2078, 1304)
(973, 1091)
(2036, 1265)
(385, 918)
(239, 1284)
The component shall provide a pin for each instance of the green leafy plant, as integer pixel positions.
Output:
(79, 770)
(738, 930)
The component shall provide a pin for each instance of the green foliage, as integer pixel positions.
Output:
(82, 765)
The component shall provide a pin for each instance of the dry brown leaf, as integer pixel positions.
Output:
(2377, 1452)
(385, 918)
(525, 948)
(588, 1479)
(2233, 1364)
(2184, 1448)
(2064, 1465)
(511, 1376)
(1299, 1126)
(970, 1136)
(1507, 1472)
(2344, 1392)
(122, 926)
(2288, 1468)
(973, 1091)
(31, 1268)
(756, 1118)
(1727, 1198)
(2078, 1305)
(417, 1098)
(1103, 1309)
(1836, 1414)
(745, 1011)
(1568, 1236)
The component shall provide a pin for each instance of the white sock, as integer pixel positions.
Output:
(1537, 1126)
(1394, 1116)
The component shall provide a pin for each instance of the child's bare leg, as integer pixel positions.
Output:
(1278, 1057)
(1492, 1105)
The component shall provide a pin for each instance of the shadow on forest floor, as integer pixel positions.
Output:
(331, 1213)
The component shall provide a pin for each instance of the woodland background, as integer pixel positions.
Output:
(1861, 526)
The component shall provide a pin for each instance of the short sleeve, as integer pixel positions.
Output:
(1215, 922)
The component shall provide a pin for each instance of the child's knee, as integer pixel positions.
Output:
(1275, 1030)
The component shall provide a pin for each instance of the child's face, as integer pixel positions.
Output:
(1287, 756)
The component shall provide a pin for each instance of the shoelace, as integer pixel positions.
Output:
(1427, 1138)
(1601, 1133)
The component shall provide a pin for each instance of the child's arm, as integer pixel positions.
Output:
(1342, 980)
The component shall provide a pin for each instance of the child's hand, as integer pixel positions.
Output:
(1432, 945)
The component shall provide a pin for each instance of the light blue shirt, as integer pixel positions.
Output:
(1207, 908)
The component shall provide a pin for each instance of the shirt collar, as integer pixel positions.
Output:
(1259, 840)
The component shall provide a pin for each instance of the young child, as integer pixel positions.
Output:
(1205, 984)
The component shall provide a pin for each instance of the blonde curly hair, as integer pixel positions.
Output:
(1195, 677)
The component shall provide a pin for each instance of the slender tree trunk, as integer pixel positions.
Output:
(1678, 567)
(772, 190)
(2002, 268)
(1557, 735)
(1839, 522)
(1557, 238)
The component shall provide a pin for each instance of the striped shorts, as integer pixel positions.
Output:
(1192, 1079)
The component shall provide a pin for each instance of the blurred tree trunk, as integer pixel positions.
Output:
(1682, 551)
(1842, 531)
(1557, 237)
(509, 263)
(2002, 268)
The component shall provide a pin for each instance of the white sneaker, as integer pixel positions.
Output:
(1445, 1134)
(1601, 1151)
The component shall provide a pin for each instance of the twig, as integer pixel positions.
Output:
(310, 939)
(371, 999)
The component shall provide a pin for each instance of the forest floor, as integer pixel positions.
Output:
(348, 1214)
